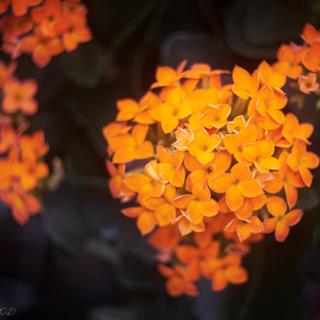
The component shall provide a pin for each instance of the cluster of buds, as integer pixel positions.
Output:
(43, 28)
(224, 155)
(21, 161)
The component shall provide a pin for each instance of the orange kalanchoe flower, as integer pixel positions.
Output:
(198, 205)
(245, 86)
(312, 60)
(237, 185)
(227, 270)
(202, 145)
(280, 221)
(287, 63)
(172, 111)
(301, 160)
(215, 116)
(310, 34)
(180, 280)
(41, 47)
(244, 227)
(261, 155)
(308, 83)
(270, 77)
(130, 147)
(19, 97)
(235, 143)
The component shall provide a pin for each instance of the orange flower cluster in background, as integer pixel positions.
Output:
(43, 28)
(292, 58)
(212, 167)
(21, 155)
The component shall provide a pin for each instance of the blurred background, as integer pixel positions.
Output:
(81, 258)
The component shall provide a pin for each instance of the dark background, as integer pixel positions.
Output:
(81, 258)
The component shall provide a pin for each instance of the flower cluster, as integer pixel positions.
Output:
(21, 161)
(43, 28)
(213, 167)
(292, 58)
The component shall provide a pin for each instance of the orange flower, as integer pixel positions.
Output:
(205, 173)
(22, 204)
(113, 129)
(245, 86)
(150, 184)
(130, 147)
(237, 124)
(271, 78)
(280, 222)
(172, 111)
(20, 7)
(130, 109)
(292, 130)
(244, 227)
(227, 270)
(185, 225)
(33, 147)
(312, 60)
(166, 237)
(167, 76)
(13, 27)
(310, 34)
(202, 145)
(199, 99)
(179, 280)
(19, 96)
(285, 177)
(47, 16)
(215, 117)
(146, 220)
(74, 30)
(198, 204)
(170, 167)
(301, 160)
(235, 143)
(237, 184)
(308, 83)
(165, 212)
(116, 185)
(287, 62)
(261, 155)
(188, 253)
(29, 172)
(269, 102)
(183, 138)
(41, 47)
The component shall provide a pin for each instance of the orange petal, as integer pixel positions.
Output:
(250, 188)
(168, 124)
(291, 194)
(174, 286)
(282, 231)
(209, 208)
(241, 172)
(219, 280)
(194, 212)
(201, 192)
(269, 225)
(306, 176)
(146, 222)
(183, 202)
(236, 275)
(186, 253)
(222, 183)
(256, 203)
(276, 206)
(234, 198)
